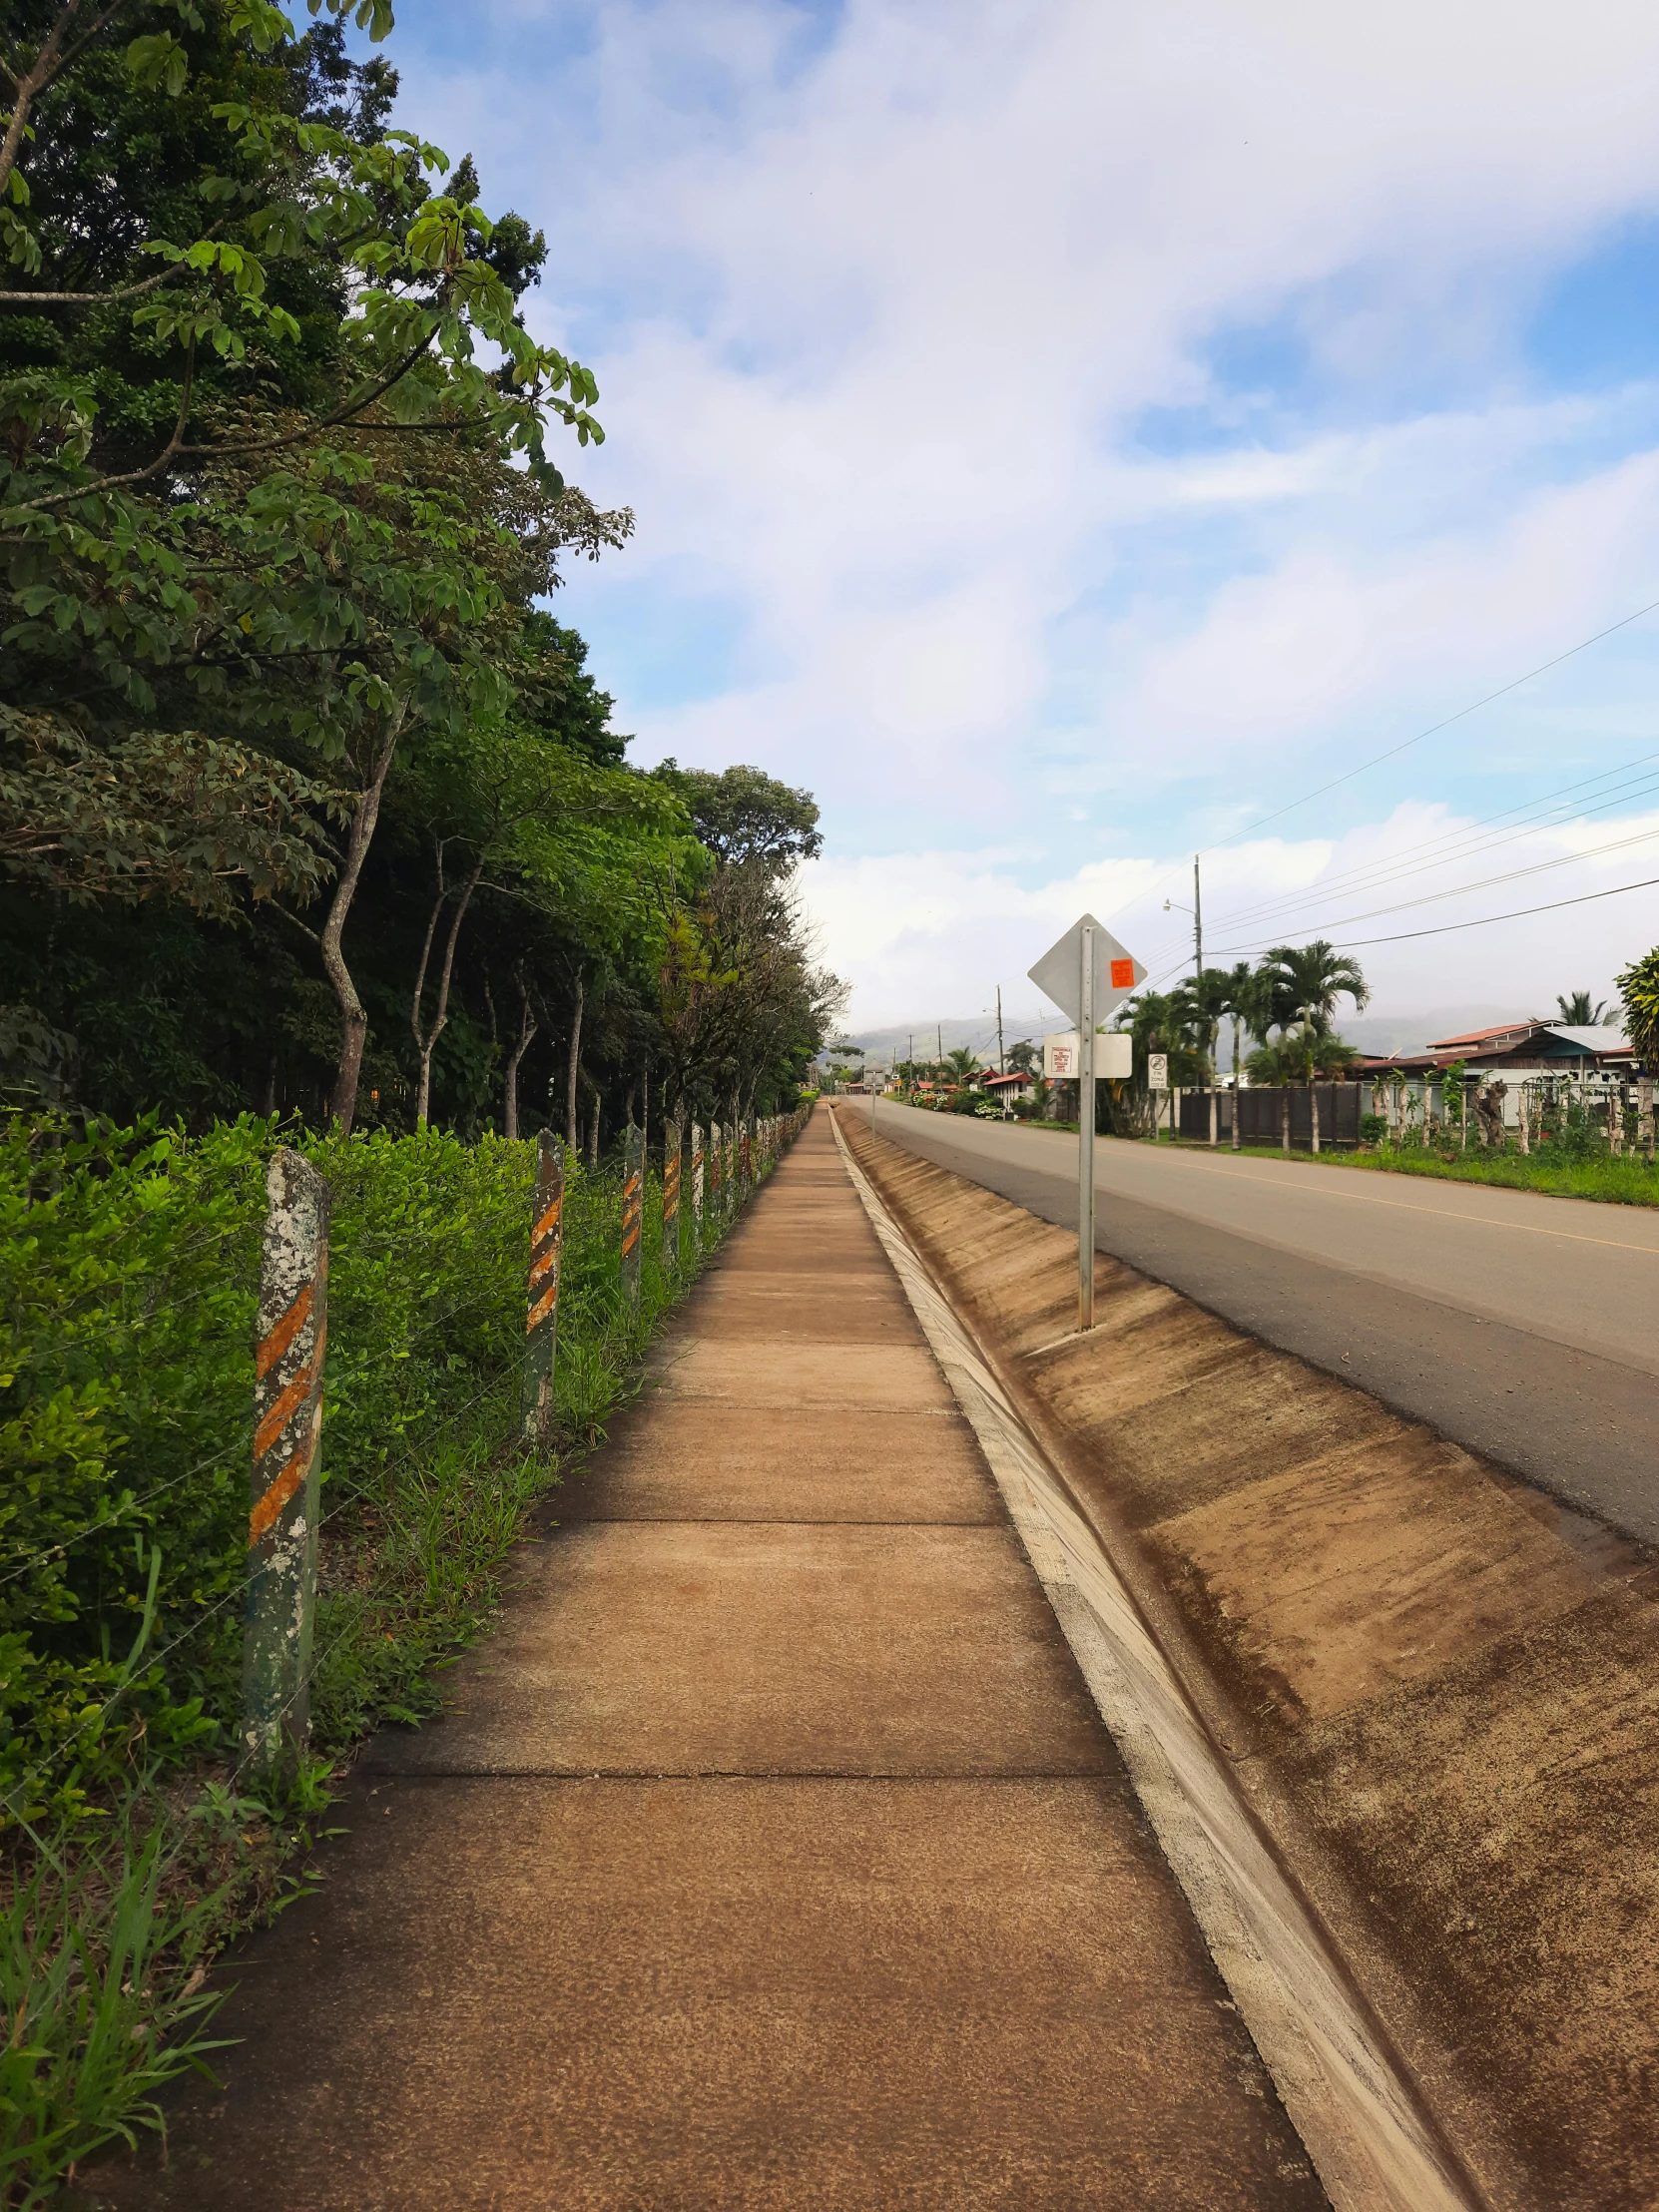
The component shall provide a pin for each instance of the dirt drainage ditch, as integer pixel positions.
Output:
(1395, 1718)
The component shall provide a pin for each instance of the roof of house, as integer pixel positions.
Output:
(1516, 1044)
(1603, 1037)
(1493, 1038)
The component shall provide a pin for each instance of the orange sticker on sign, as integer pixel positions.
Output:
(1123, 975)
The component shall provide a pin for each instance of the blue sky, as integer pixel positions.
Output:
(1061, 433)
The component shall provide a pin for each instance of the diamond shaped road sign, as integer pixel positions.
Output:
(1059, 972)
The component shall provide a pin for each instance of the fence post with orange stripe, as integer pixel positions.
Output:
(633, 1210)
(541, 1317)
(693, 1174)
(672, 1143)
(292, 1338)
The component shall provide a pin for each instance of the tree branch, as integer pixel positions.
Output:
(100, 298)
(175, 448)
(54, 57)
(314, 935)
(329, 422)
(168, 453)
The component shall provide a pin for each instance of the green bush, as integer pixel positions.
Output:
(128, 1270)
(128, 1265)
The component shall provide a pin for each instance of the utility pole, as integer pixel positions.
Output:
(938, 1040)
(1001, 1063)
(1198, 923)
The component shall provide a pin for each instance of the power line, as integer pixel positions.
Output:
(1393, 751)
(1457, 845)
(1459, 890)
(1519, 914)
(1434, 729)
(1278, 916)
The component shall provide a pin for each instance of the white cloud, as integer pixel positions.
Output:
(878, 302)
(930, 934)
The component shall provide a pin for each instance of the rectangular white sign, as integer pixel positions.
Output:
(1157, 1071)
(1114, 1056)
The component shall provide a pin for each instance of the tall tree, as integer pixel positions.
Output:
(1309, 979)
(747, 818)
(259, 487)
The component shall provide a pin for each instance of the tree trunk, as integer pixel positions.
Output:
(1314, 1109)
(440, 1017)
(572, 1134)
(421, 980)
(1285, 1117)
(354, 1018)
(1236, 1138)
(509, 1089)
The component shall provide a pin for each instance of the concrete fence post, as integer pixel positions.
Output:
(289, 1345)
(695, 1169)
(672, 1143)
(747, 1143)
(541, 1317)
(1644, 1115)
(633, 1210)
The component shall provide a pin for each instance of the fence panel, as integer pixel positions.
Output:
(1261, 1114)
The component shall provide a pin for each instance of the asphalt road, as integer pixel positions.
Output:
(1525, 1328)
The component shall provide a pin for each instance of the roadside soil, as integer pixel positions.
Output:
(1439, 1686)
(772, 1854)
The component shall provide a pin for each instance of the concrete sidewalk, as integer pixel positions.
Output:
(772, 1856)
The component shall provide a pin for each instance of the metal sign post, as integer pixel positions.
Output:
(1085, 1127)
(1087, 973)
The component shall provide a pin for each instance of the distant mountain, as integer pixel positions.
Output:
(932, 1037)
(1377, 1033)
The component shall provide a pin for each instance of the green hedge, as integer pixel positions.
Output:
(128, 1265)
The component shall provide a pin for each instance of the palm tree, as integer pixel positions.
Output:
(1245, 1001)
(1578, 1012)
(1209, 998)
(1315, 977)
(963, 1063)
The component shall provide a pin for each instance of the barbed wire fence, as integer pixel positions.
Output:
(567, 1239)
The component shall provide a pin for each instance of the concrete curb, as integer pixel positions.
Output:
(1353, 2102)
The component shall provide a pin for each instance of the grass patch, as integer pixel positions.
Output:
(1623, 1182)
